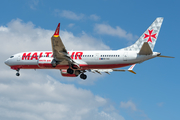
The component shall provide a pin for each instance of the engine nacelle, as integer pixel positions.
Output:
(45, 62)
(65, 74)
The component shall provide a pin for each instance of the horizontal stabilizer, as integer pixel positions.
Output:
(145, 49)
(165, 56)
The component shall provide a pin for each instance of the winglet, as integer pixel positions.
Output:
(56, 33)
(131, 69)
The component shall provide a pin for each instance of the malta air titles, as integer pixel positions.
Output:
(37, 55)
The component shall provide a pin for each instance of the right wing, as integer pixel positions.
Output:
(111, 70)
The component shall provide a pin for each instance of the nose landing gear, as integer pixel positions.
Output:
(18, 74)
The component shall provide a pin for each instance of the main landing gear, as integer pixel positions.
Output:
(83, 76)
(70, 71)
(77, 72)
(18, 74)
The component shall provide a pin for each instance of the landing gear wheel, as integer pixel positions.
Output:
(83, 76)
(17, 74)
(70, 71)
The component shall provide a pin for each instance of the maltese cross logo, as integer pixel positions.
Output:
(150, 32)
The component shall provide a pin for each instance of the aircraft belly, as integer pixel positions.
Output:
(105, 64)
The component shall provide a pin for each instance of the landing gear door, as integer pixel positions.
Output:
(125, 55)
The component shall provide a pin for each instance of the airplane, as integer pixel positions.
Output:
(76, 63)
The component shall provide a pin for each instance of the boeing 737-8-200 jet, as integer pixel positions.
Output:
(74, 63)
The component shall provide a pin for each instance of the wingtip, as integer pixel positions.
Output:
(131, 69)
(56, 33)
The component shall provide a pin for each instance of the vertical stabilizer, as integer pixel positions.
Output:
(149, 36)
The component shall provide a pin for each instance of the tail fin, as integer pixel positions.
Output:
(149, 36)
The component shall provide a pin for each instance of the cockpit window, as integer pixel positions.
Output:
(11, 56)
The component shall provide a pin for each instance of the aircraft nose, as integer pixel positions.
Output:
(7, 62)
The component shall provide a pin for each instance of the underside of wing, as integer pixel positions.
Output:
(58, 48)
(60, 53)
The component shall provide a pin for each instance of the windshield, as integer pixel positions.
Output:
(11, 56)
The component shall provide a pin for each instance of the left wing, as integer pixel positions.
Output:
(58, 47)
(111, 70)
(60, 53)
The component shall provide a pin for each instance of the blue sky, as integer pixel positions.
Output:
(153, 93)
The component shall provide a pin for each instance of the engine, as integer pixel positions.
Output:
(65, 74)
(45, 62)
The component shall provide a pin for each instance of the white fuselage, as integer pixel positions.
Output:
(85, 59)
